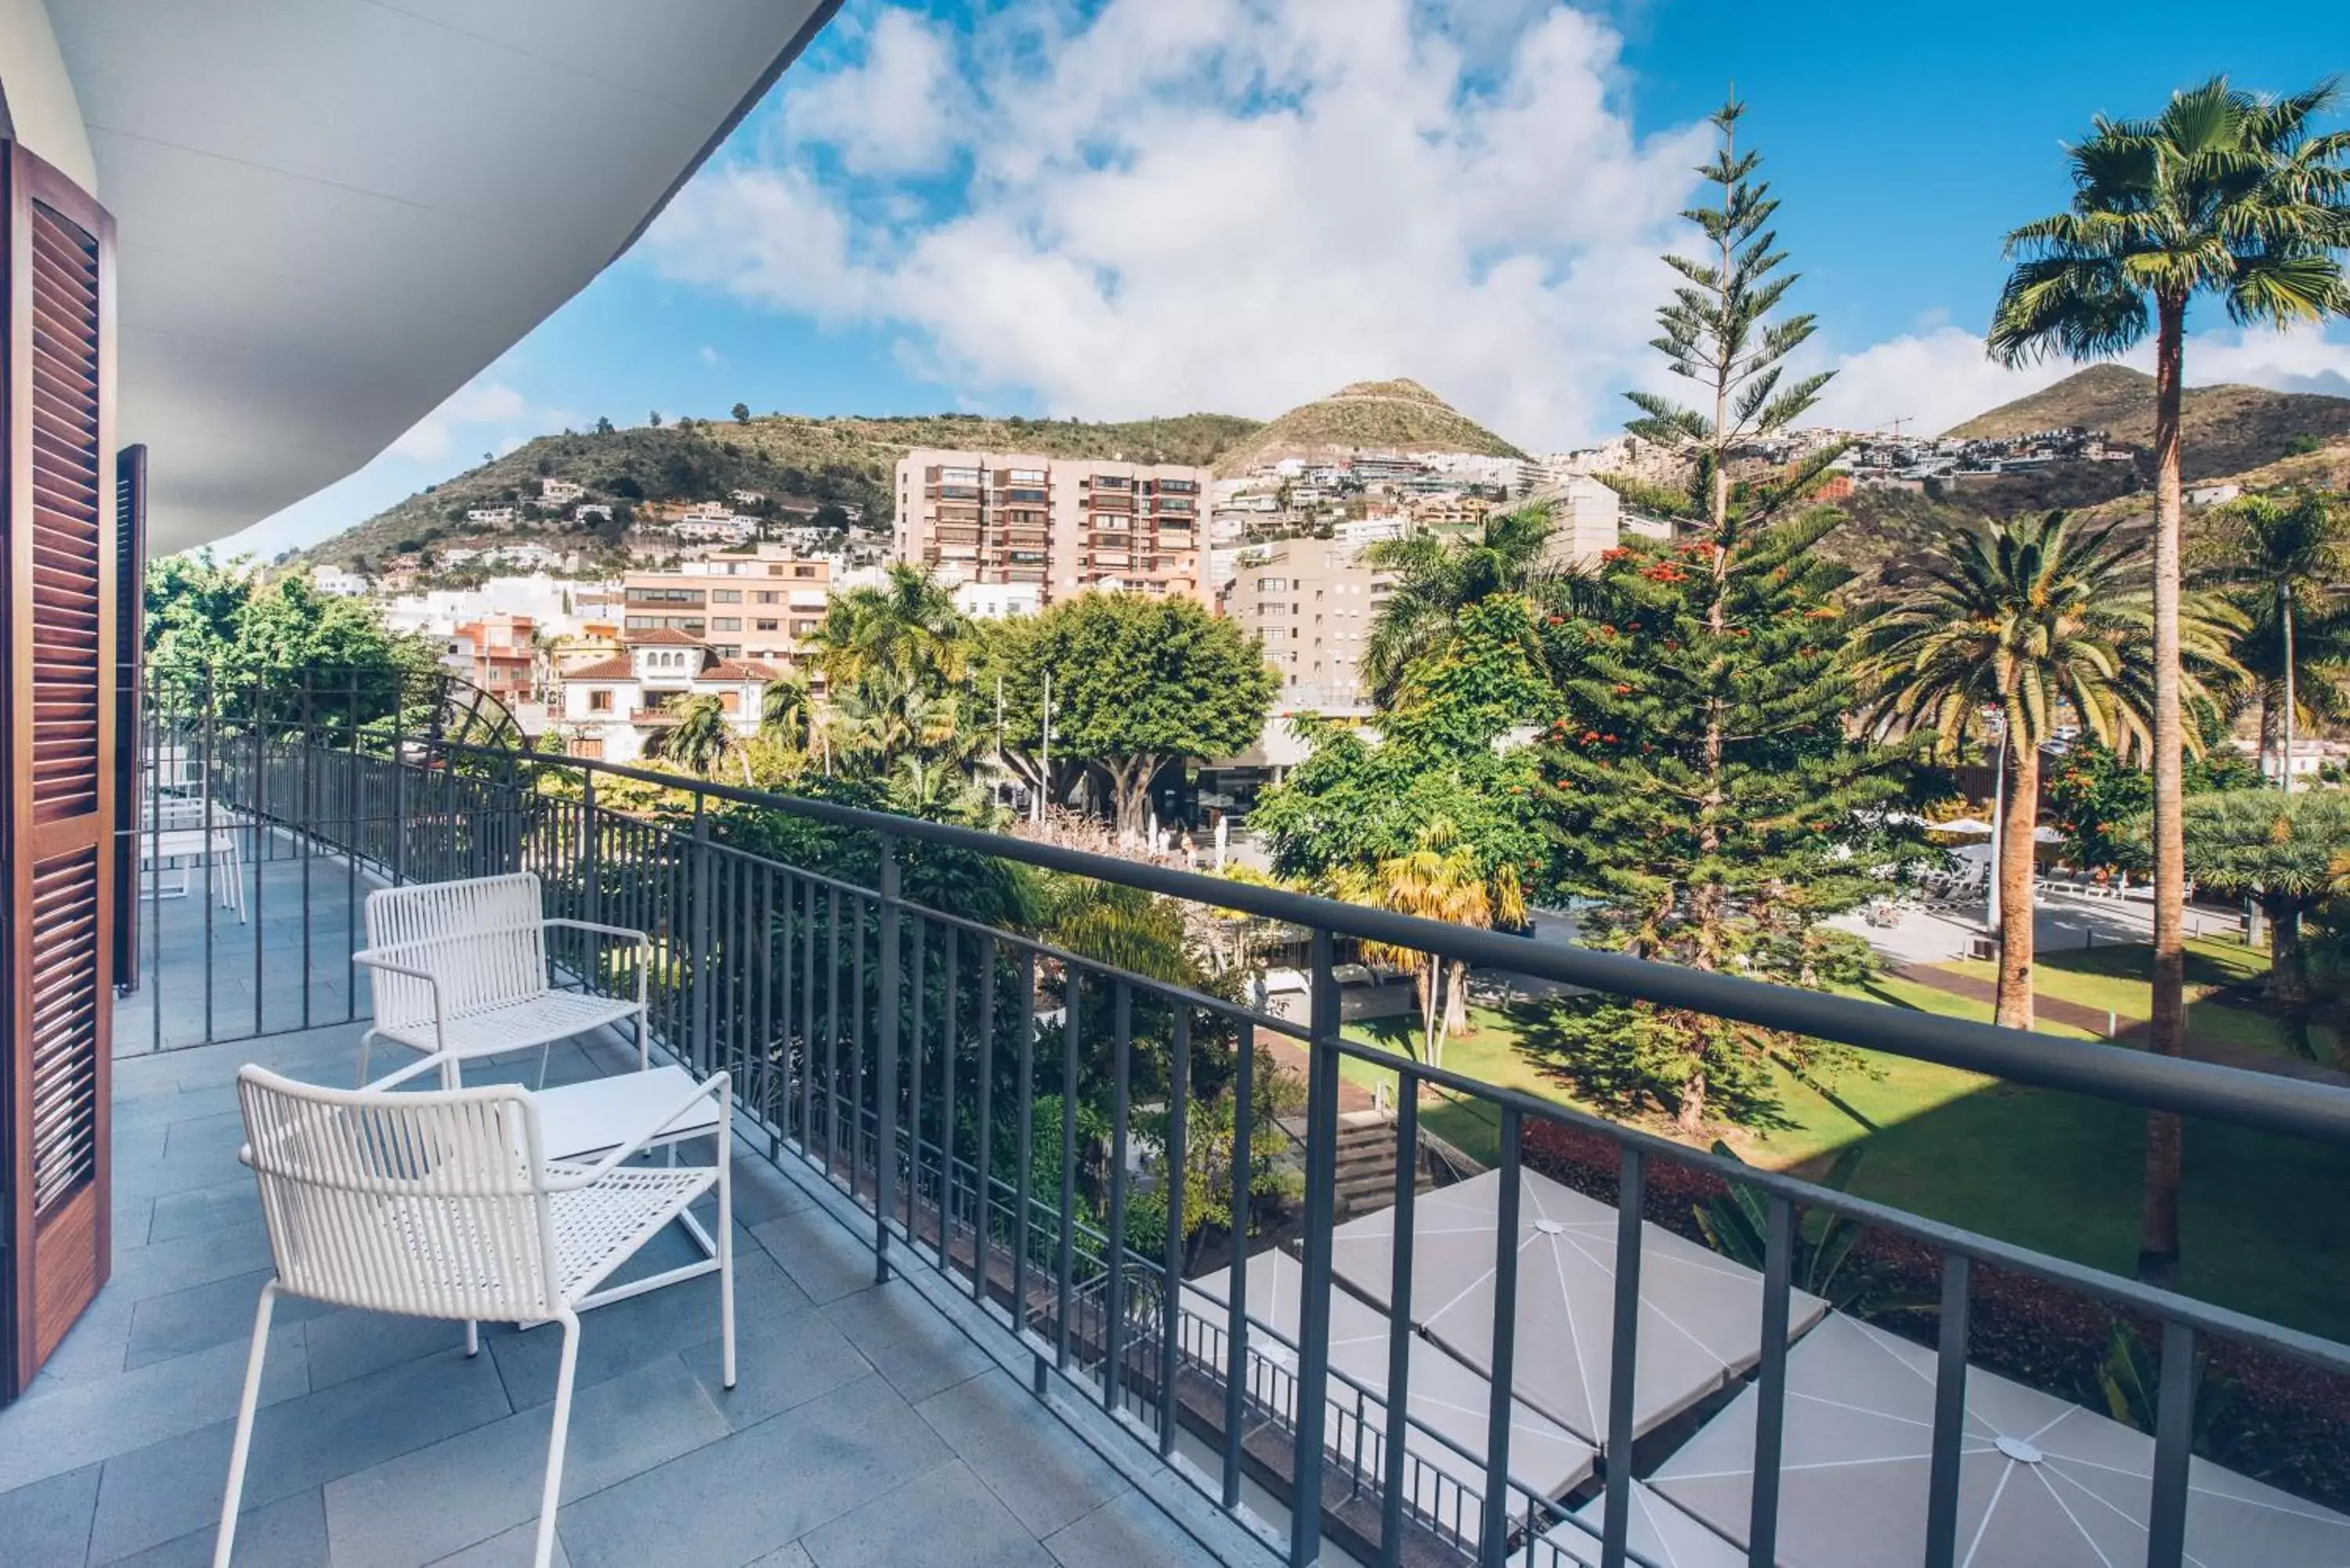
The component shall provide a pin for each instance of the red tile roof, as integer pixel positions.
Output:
(662, 637)
(738, 670)
(618, 669)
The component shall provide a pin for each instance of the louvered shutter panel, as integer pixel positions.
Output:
(57, 601)
(129, 650)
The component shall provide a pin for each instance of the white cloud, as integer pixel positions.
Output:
(1231, 204)
(480, 404)
(891, 112)
(707, 355)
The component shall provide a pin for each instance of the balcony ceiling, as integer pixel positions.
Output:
(333, 214)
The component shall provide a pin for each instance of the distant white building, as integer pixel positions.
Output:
(525, 557)
(491, 516)
(559, 492)
(746, 497)
(591, 511)
(612, 708)
(995, 601)
(1362, 531)
(714, 526)
(450, 557)
(2213, 494)
(338, 583)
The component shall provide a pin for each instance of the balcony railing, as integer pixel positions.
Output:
(883, 1031)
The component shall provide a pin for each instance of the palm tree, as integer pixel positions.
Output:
(2225, 192)
(1443, 878)
(2022, 617)
(1437, 578)
(2284, 556)
(908, 625)
(786, 712)
(698, 739)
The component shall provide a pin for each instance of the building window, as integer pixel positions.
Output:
(764, 626)
(726, 596)
(726, 623)
(763, 597)
(599, 701)
(804, 571)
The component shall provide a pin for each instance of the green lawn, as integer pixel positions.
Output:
(2053, 1172)
(2114, 978)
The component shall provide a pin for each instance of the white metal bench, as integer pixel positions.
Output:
(458, 971)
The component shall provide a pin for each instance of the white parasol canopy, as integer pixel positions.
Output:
(1700, 1314)
(2043, 1483)
(1445, 1397)
(1658, 1533)
(1971, 827)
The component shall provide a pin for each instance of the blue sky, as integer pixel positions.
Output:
(1123, 207)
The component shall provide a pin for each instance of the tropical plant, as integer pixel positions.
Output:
(787, 713)
(698, 738)
(908, 626)
(1737, 1224)
(2290, 852)
(2283, 557)
(1443, 878)
(2225, 194)
(2022, 620)
(1436, 579)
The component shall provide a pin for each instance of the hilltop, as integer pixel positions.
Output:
(1366, 416)
(2223, 430)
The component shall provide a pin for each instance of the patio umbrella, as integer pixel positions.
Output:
(1700, 1314)
(1660, 1533)
(1446, 1398)
(2043, 1483)
(1971, 827)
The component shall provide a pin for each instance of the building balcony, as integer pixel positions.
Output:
(974, 1332)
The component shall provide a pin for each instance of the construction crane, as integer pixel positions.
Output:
(1895, 425)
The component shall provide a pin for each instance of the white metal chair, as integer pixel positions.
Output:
(458, 971)
(440, 1204)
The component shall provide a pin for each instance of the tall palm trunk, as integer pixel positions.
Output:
(2157, 1260)
(2284, 610)
(1456, 998)
(2014, 872)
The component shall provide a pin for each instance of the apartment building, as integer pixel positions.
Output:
(612, 708)
(1313, 602)
(498, 653)
(757, 604)
(1064, 524)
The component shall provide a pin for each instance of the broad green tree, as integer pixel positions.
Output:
(2288, 851)
(2225, 194)
(1138, 682)
(2025, 619)
(2283, 558)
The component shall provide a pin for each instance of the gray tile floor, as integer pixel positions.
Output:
(867, 1426)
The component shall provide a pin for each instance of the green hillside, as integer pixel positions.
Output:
(2223, 430)
(842, 462)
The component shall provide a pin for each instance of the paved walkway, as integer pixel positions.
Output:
(866, 1427)
(2130, 1031)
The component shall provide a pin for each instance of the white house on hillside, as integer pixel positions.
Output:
(612, 708)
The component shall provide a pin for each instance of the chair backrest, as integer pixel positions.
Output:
(484, 937)
(426, 1203)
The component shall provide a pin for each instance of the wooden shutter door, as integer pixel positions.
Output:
(129, 653)
(58, 593)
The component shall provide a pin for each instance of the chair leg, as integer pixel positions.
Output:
(234, 1493)
(726, 1255)
(367, 1043)
(472, 1337)
(545, 1046)
(553, 1488)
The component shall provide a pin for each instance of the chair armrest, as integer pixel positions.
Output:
(376, 959)
(644, 943)
(640, 938)
(718, 1085)
(400, 1075)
